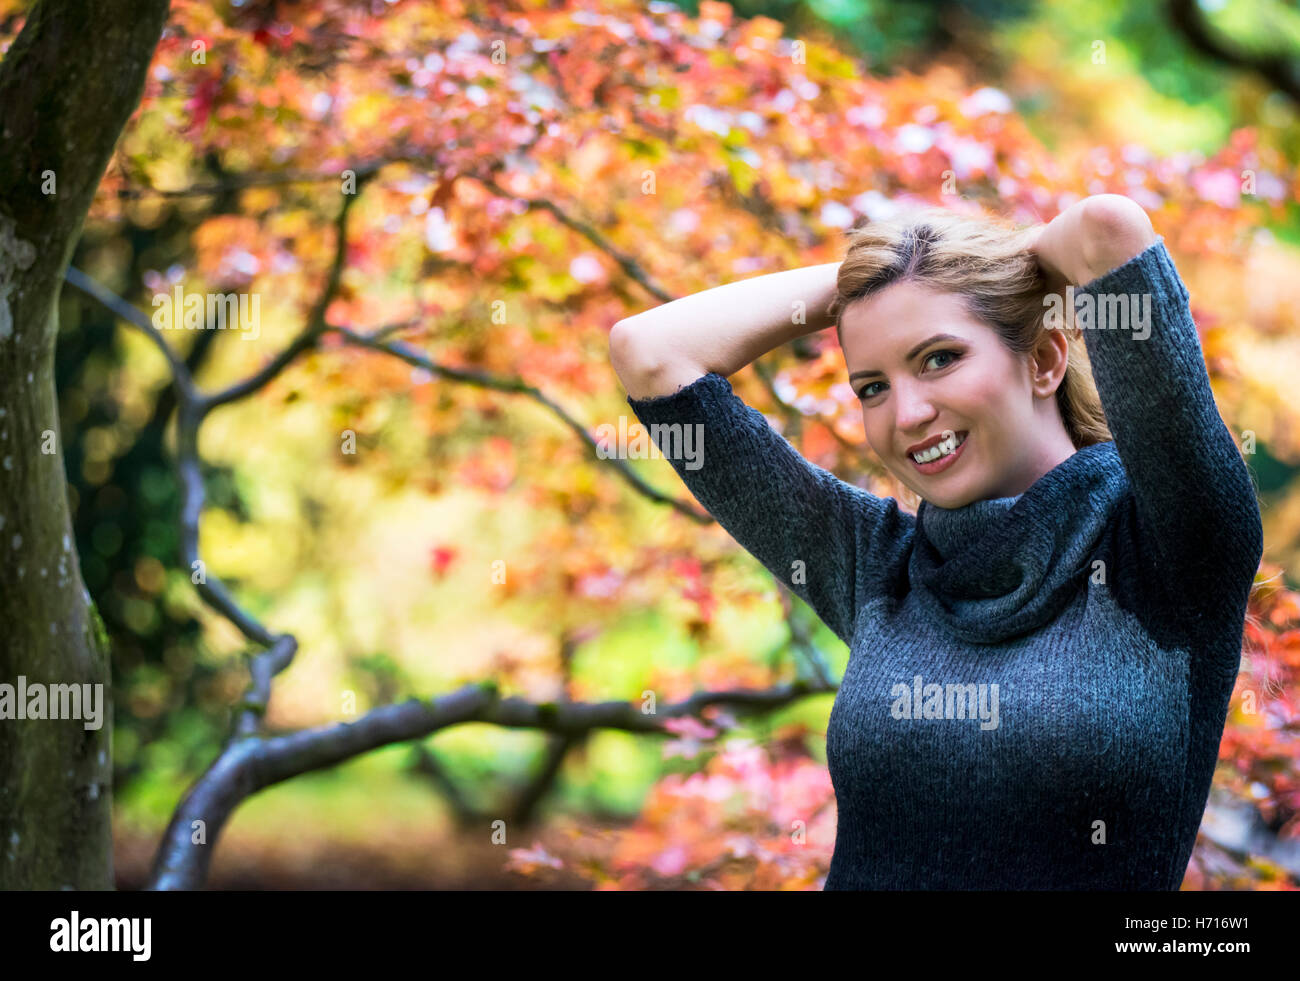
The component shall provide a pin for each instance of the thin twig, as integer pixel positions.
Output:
(315, 325)
(517, 386)
(135, 317)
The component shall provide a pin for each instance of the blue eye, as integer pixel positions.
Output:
(866, 393)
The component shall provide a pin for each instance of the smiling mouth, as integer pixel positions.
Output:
(940, 450)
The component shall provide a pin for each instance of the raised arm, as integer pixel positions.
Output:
(1197, 511)
(835, 545)
(721, 329)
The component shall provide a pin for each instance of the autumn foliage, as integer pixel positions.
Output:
(529, 173)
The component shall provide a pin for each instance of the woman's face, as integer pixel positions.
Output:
(914, 385)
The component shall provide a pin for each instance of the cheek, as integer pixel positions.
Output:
(985, 394)
(877, 434)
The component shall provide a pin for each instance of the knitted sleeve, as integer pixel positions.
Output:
(835, 545)
(1198, 517)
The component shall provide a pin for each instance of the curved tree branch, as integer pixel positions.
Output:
(252, 764)
(315, 319)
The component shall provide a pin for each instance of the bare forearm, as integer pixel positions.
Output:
(720, 329)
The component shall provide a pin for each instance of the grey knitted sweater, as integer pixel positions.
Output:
(1037, 685)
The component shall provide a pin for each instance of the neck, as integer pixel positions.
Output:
(1036, 460)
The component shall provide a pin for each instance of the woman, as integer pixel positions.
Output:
(1041, 659)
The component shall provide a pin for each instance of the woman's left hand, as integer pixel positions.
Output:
(1059, 247)
(1091, 237)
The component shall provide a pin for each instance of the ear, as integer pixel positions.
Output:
(1047, 363)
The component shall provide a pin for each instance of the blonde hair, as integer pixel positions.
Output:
(991, 266)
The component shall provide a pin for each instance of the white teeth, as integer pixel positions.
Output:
(940, 449)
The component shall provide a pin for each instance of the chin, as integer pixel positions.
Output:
(949, 500)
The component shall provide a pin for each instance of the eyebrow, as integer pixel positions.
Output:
(912, 353)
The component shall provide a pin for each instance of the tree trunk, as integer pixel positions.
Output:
(68, 85)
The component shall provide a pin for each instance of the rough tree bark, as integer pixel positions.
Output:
(68, 85)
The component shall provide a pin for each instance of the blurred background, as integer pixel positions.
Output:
(527, 174)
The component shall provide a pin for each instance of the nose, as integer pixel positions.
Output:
(913, 413)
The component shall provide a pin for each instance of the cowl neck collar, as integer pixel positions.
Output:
(1001, 567)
